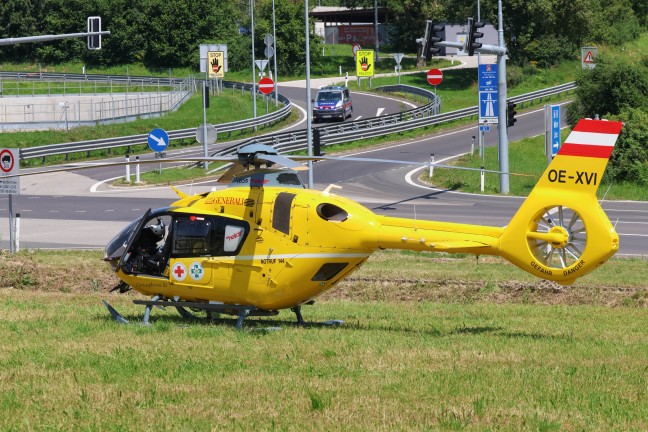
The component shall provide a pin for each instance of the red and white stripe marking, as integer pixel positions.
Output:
(592, 138)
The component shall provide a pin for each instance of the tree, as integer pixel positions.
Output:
(291, 35)
(19, 18)
(618, 89)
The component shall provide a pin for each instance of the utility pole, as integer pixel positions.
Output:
(309, 107)
(501, 95)
(253, 62)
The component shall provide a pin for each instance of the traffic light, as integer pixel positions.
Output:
(473, 35)
(205, 95)
(94, 26)
(510, 113)
(317, 143)
(435, 34)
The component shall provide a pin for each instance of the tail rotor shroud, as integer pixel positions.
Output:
(553, 253)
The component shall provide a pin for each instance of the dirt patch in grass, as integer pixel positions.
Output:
(470, 291)
(85, 272)
(77, 272)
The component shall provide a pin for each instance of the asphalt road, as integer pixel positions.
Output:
(75, 210)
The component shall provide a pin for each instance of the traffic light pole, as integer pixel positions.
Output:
(42, 38)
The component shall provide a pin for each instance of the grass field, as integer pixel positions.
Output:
(429, 343)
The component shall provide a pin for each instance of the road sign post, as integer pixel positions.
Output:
(552, 131)
(435, 77)
(398, 57)
(9, 165)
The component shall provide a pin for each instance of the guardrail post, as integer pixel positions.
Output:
(481, 177)
(431, 165)
(128, 175)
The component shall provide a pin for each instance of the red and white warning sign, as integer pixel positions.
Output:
(9, 165)
(588, 57)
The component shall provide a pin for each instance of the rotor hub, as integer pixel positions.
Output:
(560, 237)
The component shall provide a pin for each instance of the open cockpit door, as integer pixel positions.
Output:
(131, 239)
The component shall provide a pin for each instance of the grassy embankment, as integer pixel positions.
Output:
(429, 343)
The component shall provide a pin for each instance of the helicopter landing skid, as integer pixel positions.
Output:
(241, 311)
(300, 319)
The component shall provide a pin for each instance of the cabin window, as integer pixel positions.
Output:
(281, 212)
(207, 235)
(328, 271)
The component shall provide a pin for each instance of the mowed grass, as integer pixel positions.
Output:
(402, 366)
(401, 361)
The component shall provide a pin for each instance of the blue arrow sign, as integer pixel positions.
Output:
(158, 140)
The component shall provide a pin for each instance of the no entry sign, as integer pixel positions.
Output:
(266, 85)
(434, 77)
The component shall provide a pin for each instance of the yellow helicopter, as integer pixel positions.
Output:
(266, 243)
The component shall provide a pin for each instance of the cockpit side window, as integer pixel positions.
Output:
(192, 236)
(207, 236)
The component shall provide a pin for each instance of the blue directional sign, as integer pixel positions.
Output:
(484, 128)
(555, 129)
(158, 140)
(488, 97)
(488, 77)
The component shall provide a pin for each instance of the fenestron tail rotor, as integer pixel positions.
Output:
(558, 237)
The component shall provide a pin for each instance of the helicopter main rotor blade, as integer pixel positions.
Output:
(86, 166)
(231, 172)
(282, 160)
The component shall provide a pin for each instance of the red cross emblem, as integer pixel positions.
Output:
(179, 271)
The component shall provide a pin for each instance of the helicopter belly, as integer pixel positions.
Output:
(292, 279)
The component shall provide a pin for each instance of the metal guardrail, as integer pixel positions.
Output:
(380, 126)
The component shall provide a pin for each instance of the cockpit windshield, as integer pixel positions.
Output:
(116, 247)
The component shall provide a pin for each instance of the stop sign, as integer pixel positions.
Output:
(434, 77)
(266, 85)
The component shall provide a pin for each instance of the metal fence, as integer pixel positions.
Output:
(29, 101)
